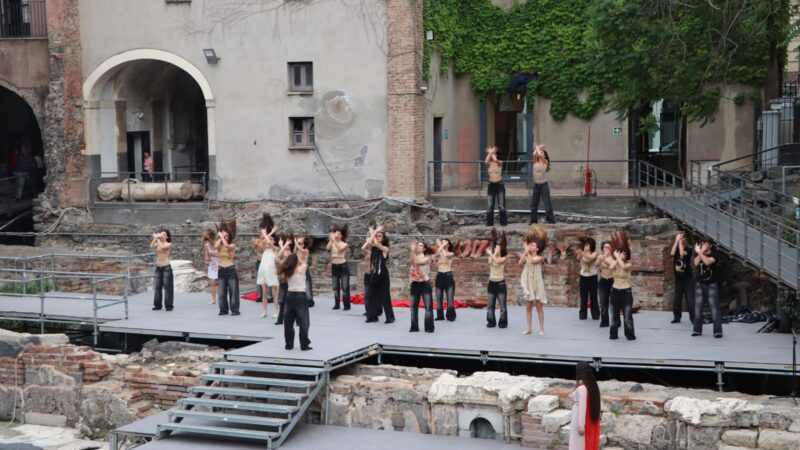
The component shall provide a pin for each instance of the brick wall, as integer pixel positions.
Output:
(406, 103)
(76, 361)
(162, 389)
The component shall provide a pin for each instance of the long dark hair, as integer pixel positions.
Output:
(341, 228)
(166, 231)
(288, 237)
(587, 240)
(228, 226)
(449, 247)
(500, 239)
(585, 375)
(619, 241)
(287, 266)
(266, 222)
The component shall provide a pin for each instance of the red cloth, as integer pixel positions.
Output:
(251, 296)
(592, 432)
(358, 299)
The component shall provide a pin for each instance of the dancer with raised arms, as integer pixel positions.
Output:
(162, 244)
(419, 270)
(340, 272)
(445, 284)
(533, 245)
(497, 290)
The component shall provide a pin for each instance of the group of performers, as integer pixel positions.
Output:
(496, 192)
(283, 275)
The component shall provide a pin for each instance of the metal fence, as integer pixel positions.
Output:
(23, 18)
(733, 214)
(129, 187)
(37, 277)
(469, 177)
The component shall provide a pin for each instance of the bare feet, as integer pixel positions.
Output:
(212, 302)
(541, 333)
(526, 332)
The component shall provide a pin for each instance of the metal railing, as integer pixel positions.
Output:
(768, 242)
(471, 176)
(786, 154)
(23, 19)
(37, 277)
(173, 186)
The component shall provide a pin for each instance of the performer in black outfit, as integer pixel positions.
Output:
(379, 291)
(445, 284)
(292, 269)
(706, 286)
(684, 282)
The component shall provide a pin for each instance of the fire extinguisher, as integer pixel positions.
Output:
(587, 173)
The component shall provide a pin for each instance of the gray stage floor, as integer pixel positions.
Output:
(320, 437)
(335, 333)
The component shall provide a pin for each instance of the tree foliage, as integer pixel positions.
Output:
(613, 54)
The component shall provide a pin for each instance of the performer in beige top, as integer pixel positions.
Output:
(532, 280)
(340, 273)
(541, 190)
(162, 244)
(445, 284)
(497, 190)
(497, 290)
(621, 296)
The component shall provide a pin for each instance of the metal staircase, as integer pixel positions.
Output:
(746, 219)
(260, 402)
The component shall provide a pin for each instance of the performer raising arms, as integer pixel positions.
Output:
(340, 273)
(303, 244)
(684, 284)
(532, 280)
(267, 278)
(379, 292)
(162, 244)
(211, 258)
(228, 291)
(584, 430)
(285, 247)
(587, 258)
(445, 285)
(497, 290)
(419, 270)
(541, 189)
(292, 269)
(706, 288)
(606, 281)
(621, 296)
(496, 190)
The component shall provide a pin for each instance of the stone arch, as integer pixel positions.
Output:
(99, 107)
(33, 97)
(481, 428)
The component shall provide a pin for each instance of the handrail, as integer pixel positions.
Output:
(754, 157)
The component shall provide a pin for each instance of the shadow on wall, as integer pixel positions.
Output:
(481, 428)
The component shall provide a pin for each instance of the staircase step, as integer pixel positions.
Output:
(218, 431)
(300, 384)
(244, 406)
(270, 368)
(252, 393)
(232, 418)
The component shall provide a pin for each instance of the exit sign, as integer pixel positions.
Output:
(617, 130)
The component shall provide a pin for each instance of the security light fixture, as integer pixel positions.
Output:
(211, 55)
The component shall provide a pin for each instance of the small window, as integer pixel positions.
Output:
(301, 77)
(302, 132)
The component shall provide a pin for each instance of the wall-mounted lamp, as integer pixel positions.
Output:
(211, 56)
(429, 35)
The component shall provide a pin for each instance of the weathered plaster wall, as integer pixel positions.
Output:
(249, 115)
(24, 63)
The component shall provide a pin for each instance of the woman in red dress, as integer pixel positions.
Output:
(584, 429)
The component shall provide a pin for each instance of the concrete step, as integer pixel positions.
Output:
(166, 428)
(230, 418)
(244, 406)
(237, 379)
(248, 393)
(268, 368)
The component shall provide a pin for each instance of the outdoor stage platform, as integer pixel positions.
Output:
(317, 437)
(340, 337)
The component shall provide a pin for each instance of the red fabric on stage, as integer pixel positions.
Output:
(358, 299)
(251, 296)
(592, 431)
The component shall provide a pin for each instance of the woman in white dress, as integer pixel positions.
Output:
(532, 280)
(267, 276)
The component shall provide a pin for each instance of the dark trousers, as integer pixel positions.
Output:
(684, 287)
(163, 281)
(622, 304)
(259, 288)
(296, 310)
(497, 192)
(228, 290)
(588, 292)
(380, 297)
(421, 289)
(309, 289)
(445, 285)
(497, 293)
(707, 293)
(542, 191)
(283, 290)
(603, 297)
(340, 277)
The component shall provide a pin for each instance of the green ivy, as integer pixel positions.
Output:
(605, 54)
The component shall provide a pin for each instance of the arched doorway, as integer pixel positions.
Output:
(22, 166)
(149, 103)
